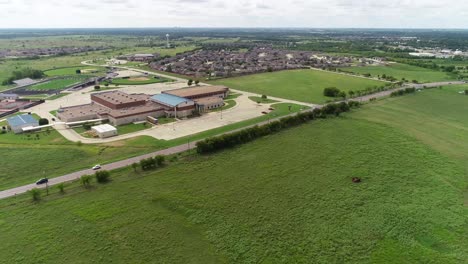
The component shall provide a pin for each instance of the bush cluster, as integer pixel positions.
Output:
(102, 176)
(213, 144)
(152, 163)
(403, 92)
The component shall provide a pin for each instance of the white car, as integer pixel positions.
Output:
(96, 167)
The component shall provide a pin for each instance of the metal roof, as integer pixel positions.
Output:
(169, 99)
(21, 120)
(104, 128)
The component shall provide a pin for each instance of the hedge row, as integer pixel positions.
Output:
(152, 163)
(214, 144)
(403, 92)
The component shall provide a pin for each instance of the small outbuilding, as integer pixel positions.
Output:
(105, 131)
(17, 123)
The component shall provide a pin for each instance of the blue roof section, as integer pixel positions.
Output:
(169, 99)
(21, 120)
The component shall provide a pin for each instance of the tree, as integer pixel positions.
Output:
(78, 71)
(190, 82)
(135, 166)
(197, 82)
(102, 176)
(264, 97)
(331, 92)
(85, 180)
(351, 93)
(43, 121)
(97, 87)
(35, 194)
(342, 94)
(61, 188)
(169, 68)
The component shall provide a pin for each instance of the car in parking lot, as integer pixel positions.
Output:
(42, 181)
(97, 167)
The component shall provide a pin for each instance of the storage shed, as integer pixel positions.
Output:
(105, 131)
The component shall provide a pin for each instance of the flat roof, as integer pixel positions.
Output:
(118, 97)
(104, 128)
(83, 110)
(21, 120)
(142, 109)
(197, 90)
(25, 81)
(169, 99)
(209, 100)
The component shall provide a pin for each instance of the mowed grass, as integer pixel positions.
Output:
(300, 85)
(408, 72)
(57, 84)
(72, 71)
(286, 198)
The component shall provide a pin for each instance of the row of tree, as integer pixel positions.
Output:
(403, 92)
(337, 93)
(23, 73)
(151, 163)
(214, 144)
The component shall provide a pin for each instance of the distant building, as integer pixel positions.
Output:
(17, 123)
(105, 131)
(8, 96)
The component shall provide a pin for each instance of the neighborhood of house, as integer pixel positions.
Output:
(226, 63)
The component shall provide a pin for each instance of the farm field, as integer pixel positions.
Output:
(57, 84)
(51, 151)
(300, 85)
(297, 206)
(408, 72)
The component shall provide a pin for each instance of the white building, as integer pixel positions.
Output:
(105, 131)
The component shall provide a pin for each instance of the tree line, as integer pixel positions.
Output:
(217, 143)
(403, 92)
(23, 73)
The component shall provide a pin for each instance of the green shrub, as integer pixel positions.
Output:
(85, 180)
(35, 194)
(61, 188)
(102, 176)
(43, 121)
(331, 92)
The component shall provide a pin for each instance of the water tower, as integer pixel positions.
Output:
(168, 45)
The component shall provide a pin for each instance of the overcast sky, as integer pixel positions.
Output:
(234, 13)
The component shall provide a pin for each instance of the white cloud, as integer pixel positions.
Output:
(240, 13)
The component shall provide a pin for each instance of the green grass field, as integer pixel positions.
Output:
(300, 85)
(284, 198)
(408, 72)
(51, 151)
(72, 71)
(57, 84)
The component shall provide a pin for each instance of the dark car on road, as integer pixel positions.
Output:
(42, 181)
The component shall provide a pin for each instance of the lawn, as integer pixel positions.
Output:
(408, 72)
(67, 71)
(286, 198)
(262, 100)
(57, 84)
(27, 153)
(300, 85)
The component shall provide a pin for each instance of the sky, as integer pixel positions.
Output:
(234, 13)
